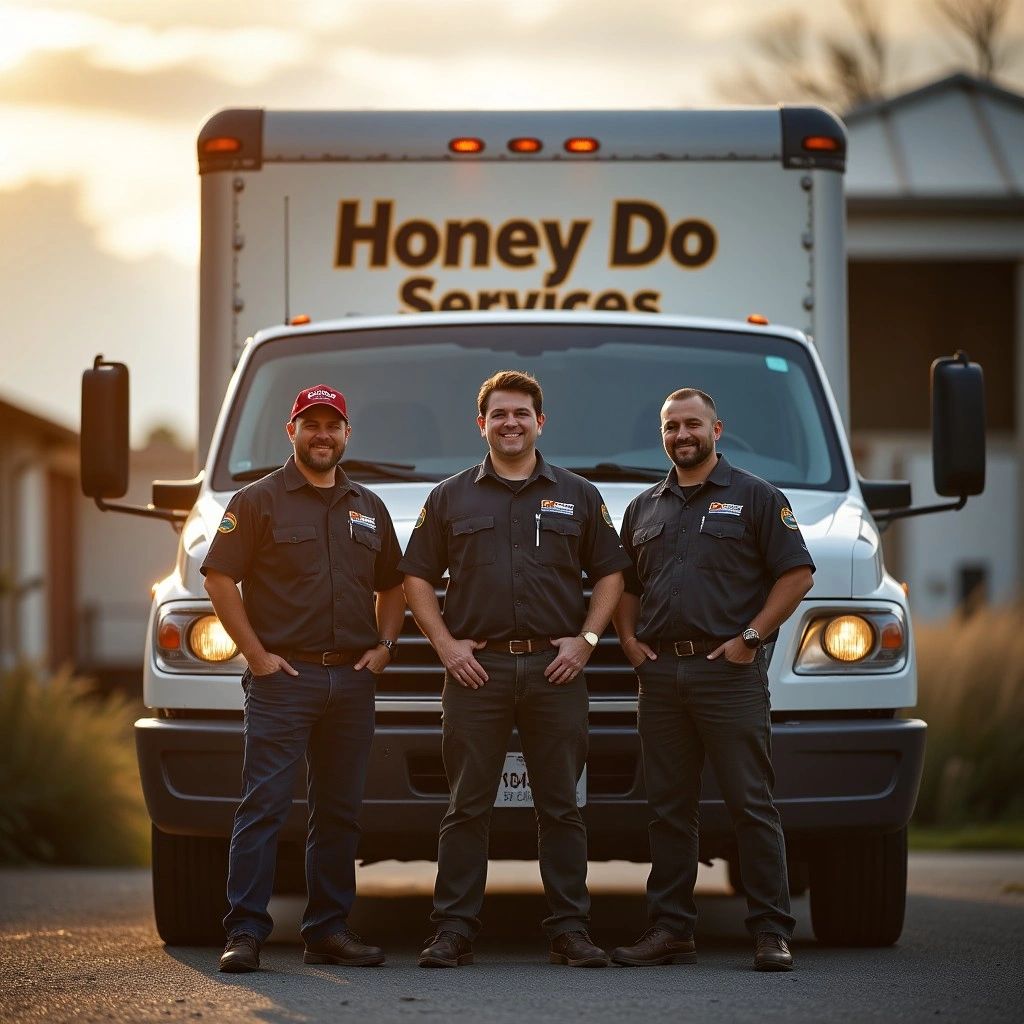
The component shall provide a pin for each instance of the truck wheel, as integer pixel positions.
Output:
(859, 890)
(189, 888)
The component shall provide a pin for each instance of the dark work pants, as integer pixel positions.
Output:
(325, 715)
(552, 724)
(689, 707)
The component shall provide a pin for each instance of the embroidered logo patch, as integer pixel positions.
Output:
(606, 516)
(724, 508)
(421, 518)
(358, 519)
(563, 508)
(228, 523)
(788, 518)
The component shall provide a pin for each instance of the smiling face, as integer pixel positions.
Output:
(319, 435)
(689, 431)
(510, 424)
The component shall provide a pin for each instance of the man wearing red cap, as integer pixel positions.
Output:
(310, 548)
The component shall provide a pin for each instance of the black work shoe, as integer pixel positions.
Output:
(771, 953)
(344, 948)
(447, 949)
(576, 950)
(241, 955)
(656, 946)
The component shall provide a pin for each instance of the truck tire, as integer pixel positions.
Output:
(189, 888)
(859, 890)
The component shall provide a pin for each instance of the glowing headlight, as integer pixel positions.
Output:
(848, 638)
(209, 640)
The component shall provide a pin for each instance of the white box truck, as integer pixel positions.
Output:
(404, 257)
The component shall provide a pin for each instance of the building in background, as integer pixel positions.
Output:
(935, 190)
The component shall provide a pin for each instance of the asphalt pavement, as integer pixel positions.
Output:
(80, 945)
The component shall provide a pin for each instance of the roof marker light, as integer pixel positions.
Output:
(822, 144)
(302, 318)
(466, 144)
(222, 144)
(582, 144)
(525, 145)
(757, 318)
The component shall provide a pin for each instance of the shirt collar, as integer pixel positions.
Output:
(721, 475)
(293, 478)
(541, 469)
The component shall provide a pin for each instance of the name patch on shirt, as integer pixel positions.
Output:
(358, 519)
(563, 508)
(724, 508)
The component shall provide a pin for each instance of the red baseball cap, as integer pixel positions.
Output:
(321, 394)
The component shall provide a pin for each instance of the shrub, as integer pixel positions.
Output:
(971, 694)
(69, 786)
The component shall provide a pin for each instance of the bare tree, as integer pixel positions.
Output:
(980, 24)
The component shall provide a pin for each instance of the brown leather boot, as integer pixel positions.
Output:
(771, 953)
(656, 946)
(576, 950)
(447, 949)
(345, 948)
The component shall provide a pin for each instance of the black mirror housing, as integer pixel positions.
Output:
(104, 440)
(958, 426)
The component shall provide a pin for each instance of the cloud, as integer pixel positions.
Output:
(65, 299)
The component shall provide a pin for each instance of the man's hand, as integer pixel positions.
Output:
(573, 654)
(457, 656)
(637, 652)
(265, 663)
(735, 651)
(376, 659)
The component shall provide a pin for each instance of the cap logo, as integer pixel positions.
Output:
(321, 393)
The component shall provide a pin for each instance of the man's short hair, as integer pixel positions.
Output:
(510, 380)
(683, 393)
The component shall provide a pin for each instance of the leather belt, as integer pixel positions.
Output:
(688, 648)
(529, 646)
(342, 656)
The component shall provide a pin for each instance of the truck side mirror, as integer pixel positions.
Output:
(958, 426)
(104, 442)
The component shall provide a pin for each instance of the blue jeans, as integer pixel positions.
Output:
(326, 715)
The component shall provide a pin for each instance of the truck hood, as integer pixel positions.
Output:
(842, 538)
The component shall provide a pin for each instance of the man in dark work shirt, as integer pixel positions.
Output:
(310, 548)
(718, 564)
(514, 534)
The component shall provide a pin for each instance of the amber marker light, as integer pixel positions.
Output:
(582, 144)
(892, 637)
(209, 640)
(298, 321)
(169, 637)
(756, 318)
(466, 145)
(821, 144)
(525, 145)
(222, 144)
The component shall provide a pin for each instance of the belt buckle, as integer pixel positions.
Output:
(680, 648)
(519, 647)
(329, 658)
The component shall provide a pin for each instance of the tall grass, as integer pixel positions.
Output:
(971, 694)
(69, 785)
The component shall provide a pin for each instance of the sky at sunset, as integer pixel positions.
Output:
(100, 102)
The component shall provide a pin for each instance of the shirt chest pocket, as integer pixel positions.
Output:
(297, 550)
(365, 548)
(472, 543)
(558, 542)
(723, 545)
(649, 548)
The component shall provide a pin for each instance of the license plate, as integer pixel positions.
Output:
(514, 787)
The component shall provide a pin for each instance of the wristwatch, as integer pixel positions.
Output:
(389, 644)
(751, 638)
(591, 638)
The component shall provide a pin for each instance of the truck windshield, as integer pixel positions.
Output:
(411, 394)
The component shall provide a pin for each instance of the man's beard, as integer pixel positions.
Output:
(322, 460)
(692, 456)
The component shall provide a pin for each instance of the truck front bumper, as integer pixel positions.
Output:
(832, 776)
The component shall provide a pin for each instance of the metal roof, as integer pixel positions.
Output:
(959, 140)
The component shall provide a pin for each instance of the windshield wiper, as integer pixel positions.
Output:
(361, 467)
(613, 471)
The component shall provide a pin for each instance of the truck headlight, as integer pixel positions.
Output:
(190, 638)
(839, 640)
(209, 640)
